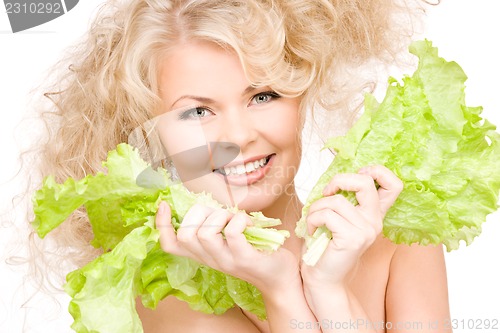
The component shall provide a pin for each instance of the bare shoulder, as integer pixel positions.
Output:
(173, 315)
(417, 289)
(417, 262)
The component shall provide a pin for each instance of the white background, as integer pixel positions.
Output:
(464, 30)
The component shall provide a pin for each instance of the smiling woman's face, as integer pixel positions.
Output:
(225, 136)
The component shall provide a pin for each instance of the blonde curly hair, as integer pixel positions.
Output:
(109, 86)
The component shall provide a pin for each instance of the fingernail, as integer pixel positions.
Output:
(326, 190)
(161, 208)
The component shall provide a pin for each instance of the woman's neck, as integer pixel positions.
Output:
(287, 208)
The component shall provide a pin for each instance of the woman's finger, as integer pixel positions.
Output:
(210, 235)
(390, 185)
(340, 205)
(345, 235)
(336, 223)
(168, 237)
(187, 234)
(362, 184)
(193, 219)
(235, 238)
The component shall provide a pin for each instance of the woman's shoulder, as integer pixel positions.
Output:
(416, 264)
(400, 254)
(417, 254)
(417, 287)
(173, 315)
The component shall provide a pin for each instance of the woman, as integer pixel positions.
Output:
(243, 74)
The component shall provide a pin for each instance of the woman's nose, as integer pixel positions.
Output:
(239, 128)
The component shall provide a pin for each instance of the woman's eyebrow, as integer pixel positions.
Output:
(249, 89)
(204, 100)
(207, 100)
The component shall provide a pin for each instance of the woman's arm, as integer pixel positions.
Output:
(338, 309)
(417, 292)
(288, 311)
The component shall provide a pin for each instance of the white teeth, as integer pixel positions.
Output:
(247, 168)
(240, 169)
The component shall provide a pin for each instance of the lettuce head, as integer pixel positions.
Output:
(447, 156)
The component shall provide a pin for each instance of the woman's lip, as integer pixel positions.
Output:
(251, 159)
(249, 178)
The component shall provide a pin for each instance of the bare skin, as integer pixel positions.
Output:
(361, 277)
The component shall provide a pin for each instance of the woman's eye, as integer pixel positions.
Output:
(264, 97)
(198, 112)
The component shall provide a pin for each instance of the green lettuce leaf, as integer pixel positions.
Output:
(447, 156)
(121, 205)
(104, 291)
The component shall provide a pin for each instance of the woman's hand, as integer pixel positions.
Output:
(276, 275)
(214, 237)
(354, 228)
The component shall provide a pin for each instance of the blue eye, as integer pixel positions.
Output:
(198, 112)
(264, 97)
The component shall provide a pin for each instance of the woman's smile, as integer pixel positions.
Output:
(247, 172)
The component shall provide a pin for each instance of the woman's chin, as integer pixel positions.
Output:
(256, 197)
